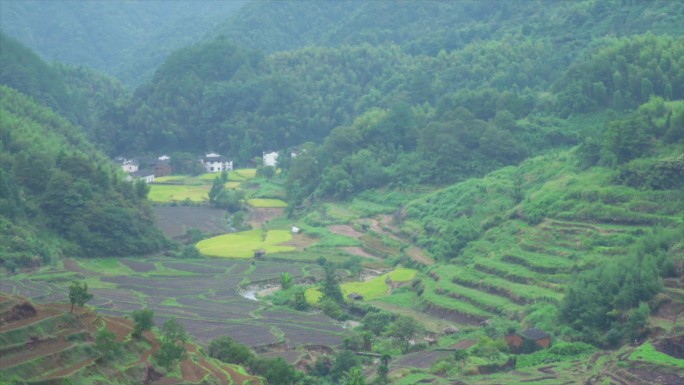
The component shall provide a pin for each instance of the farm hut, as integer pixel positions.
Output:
(259, 254)
(540, 337)
(295, 230)
(532, 336)
(449, 330)
(355, 297)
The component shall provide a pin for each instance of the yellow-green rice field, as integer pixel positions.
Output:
(170, 193)
(266, 203)
(243, 244)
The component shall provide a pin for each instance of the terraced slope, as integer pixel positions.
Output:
(503, 255)
(48, 344)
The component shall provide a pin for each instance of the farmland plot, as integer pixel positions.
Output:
(202, 295)
(175, 221)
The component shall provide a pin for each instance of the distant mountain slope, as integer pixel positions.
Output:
(127, 39)
(426, 27)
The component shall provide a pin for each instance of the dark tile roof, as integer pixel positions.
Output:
(215, 159)
(144, 172)
(534, 334)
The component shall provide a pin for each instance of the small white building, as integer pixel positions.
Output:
(164, 158)
(213, 162)
(270, 159)
(147, 175)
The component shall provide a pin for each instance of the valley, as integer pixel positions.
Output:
(342, 192)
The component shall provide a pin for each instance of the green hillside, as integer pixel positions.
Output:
(60, 195)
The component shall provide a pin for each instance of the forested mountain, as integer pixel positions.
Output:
(427, 27)
(126, 39)
(457, 113)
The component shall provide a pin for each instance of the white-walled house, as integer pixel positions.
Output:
(270, 159)
(147, 175)
(213, 162)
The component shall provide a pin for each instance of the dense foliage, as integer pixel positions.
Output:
(54, 183)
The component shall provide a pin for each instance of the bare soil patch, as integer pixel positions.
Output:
(345, 230)
(300, 241)
(44, 348)
(192, 372)
(419, 256)
(661, 378)
(65, 372)
(260, 215)
(465, 344)
(355, 250)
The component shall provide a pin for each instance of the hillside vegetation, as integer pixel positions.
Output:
(59, 195)
(48, 344)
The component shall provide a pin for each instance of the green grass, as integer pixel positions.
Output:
(648, 353)
(266, 203)
(371, 289)
(246, 173)
(171, 178)
(243, 244)
(376, 287)
(171, 193)
(313, 295)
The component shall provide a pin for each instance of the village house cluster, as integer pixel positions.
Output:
(147, 168)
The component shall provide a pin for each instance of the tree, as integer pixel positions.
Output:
(354, 376)
(276, 370)
(78, 294)
(230, 351)
(403, 329)
(331, 288)
(376, 322)
(173, 340)
(286, 281)
(299, 301)
(144, 320)
(383, 370)
(105, 343)
(343, 362)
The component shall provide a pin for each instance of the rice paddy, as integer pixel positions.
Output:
(245, 243)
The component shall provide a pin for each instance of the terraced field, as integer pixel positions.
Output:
(48, 344)
(512, 258)
(202, 295)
